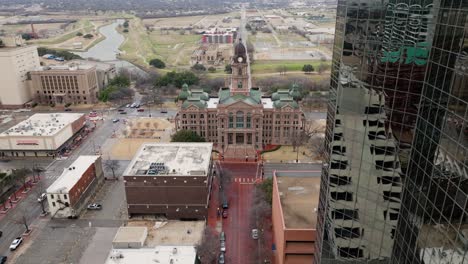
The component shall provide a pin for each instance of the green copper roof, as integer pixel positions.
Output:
(194, 101)
(284, 102)
(185, 87)
(254, 98)
(200, 94)
(184, 94)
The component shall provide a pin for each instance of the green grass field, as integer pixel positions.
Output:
(270, 66)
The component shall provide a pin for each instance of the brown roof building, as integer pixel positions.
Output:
(63, 84)
(294, 216)
(172, 180)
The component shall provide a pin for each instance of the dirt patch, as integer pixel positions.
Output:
(171, 232)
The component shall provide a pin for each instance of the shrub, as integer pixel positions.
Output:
(125, 30)
(212, 69)
(198, 67)
(157, 63)
(88, 36)
(79, 34)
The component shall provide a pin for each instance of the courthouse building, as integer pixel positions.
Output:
(240, 115)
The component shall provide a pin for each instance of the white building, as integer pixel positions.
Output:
(158, 254)
(41, 135)
(68, 195)
(15, 63)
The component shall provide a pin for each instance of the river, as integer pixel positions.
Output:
(108, 49)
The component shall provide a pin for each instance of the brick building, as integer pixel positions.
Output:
(240, 115)
(62, 84)
(170, 179)
(68, 195)
(294, 216)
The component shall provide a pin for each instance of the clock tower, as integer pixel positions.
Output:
(240, 71)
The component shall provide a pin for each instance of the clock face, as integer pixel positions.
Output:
(240, 59)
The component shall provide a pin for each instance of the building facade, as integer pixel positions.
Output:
(294, 234)
(212, 54)
(396, 135)
(15, 63)
(172, 180)
(219, 36)
(240, 115)
(65, 84)
(105, 72)
(69, 194)
(41, 135)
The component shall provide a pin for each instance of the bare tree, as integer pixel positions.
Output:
(260, 213)
(112, 165)
(23, 219)
(208, 248)
(21, 176)
(39, 190)
(317, 145)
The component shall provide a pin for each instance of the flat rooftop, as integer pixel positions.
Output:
(72, 174)
(103, 66)
(299, 197)
(178, 159)
(130, 234)
(42, 125)
(159, 254)
(172, 232)
(65, 67)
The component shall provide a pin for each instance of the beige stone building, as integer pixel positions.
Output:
(240, 115)
(73, 83)
(15, 63)
(212, 54)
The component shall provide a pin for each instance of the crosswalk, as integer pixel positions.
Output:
(245, 180)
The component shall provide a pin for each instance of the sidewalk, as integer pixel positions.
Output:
(213, 220)
(20, 195)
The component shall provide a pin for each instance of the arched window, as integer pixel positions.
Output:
(184, 116)
(202, 116)
(249, 118)
(239, 85)
(239, 119)
(231, 120)
(296, 116)
(240, 71)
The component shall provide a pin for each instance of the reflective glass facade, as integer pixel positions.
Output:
(395, 185)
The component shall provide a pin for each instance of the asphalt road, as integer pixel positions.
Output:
(29, 207)
(269, 168)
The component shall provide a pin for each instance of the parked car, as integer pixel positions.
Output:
(164, 111)
(140, 110)
(3, 259)
(137, 105)
(1, 233)
(221, 259)
(123, 113)
(115, 120)
(223, 246)
(68, 110)
(133, 105)
(120, 110)
(15, 244)
(42, 197)
(225, 213)
(255, 233)
(127, 106)
(94, 206)
(222, 236)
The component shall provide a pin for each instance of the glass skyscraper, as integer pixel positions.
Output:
(395, 184)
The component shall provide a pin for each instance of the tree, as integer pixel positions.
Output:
(126, 24)
(208, 248)
(120, 80)
(212, 69)
(112, 165)
(157, 63)
(228, 68)
(322, 67)
(23, 219)
(177, 78)
(2, 44)
(282, 69)
(20, 176)
(317, 146)
(125, 30)
(39, 190)
(248, 27)
(79, 34)
(198, 67)
(186, 136)
(88, 36)
(260, 213)
(26, 36)
(308, 68)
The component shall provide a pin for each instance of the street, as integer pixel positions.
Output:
(10, 223)
(237, 227)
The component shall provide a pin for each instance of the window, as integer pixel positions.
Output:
(388, 195)
(342, 196)
(65, 196)
(240, 72)
(239, 119)
(388, 180)
(339, 180)
(339, 165)
(382, 150)
(52, 196)
(53, 204)
(392, 215)
(239, 84)
(231, 120)
(345, 214)
(347, 232)
(249, 119)
(347, 252)
(337, 136)
(338, 150)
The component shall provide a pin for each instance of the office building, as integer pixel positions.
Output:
(69, 194)
(396, 135)
(294, 194)
(105, 71)
(65, 84)
(15, 63)
(172, 180)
